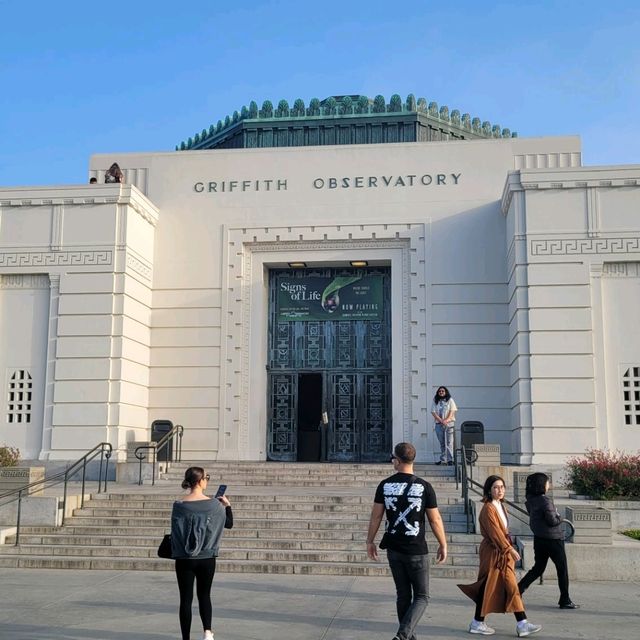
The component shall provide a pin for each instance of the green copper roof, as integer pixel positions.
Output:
(340, 120)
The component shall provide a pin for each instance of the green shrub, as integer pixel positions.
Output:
(605, 475)
(9, 456)
(632, 533)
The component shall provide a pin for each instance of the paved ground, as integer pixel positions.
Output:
(115, 605)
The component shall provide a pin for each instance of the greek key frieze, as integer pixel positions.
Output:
(580, 246)
(56, 259)
(486, 448)
(14, 473)
(592, 517)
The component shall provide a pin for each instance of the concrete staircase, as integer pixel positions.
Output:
(289, 518)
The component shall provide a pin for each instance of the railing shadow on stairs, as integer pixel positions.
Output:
(104, 450)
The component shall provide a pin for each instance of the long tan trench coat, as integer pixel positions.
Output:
(497, 567)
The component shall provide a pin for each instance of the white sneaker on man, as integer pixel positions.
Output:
(480, 628)
(525, 628)
(208, 635)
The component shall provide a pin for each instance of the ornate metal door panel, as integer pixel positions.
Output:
(343, 432)
(282, 416)
(376, 435)
(359, 421)
(354, 357)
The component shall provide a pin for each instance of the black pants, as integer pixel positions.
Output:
(411, 576)
(543, 549)
(202, 572)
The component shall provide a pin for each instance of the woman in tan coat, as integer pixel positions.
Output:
(496, 590)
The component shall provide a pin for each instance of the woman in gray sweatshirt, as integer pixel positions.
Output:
(197, 522)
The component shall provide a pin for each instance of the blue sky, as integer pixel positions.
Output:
(82, 78)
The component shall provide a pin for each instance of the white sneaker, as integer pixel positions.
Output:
(208, 635)
(525, 628)
(480, 628)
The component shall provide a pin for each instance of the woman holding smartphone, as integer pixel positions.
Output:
(197, 522)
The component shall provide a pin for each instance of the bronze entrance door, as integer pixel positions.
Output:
(329, 369)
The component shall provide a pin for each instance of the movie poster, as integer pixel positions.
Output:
(339, 298)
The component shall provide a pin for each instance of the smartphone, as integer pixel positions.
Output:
(221, 489)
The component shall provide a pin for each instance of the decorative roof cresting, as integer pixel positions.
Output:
(348, 106)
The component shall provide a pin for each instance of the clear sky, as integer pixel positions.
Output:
(90, 77)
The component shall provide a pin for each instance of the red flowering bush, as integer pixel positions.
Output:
(605, 475)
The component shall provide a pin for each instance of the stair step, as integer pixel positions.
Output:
(289, 518)
(227, 566)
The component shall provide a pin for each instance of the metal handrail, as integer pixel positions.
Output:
(104, 450)
(178, 430)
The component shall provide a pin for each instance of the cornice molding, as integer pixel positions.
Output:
(81, 196)
(568, 178)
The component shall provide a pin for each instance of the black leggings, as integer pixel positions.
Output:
(520, 615)
(202, 571)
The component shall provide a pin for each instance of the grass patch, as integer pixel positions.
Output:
(632, 533)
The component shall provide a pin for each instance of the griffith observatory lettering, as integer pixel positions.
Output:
(374, 182)
(390, 181)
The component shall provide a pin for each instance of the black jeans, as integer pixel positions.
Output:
(411, 576)
(543, 549)
(201, 570)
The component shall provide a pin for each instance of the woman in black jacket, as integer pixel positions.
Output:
(197, 522)
(548, 538)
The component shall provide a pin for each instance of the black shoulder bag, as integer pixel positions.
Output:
(164, 550)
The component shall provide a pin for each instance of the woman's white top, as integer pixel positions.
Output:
(442, 409)
(501, 512)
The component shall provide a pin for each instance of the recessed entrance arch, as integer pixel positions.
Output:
(329, 364)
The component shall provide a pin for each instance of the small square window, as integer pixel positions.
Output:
(20, 387)
(631, 395)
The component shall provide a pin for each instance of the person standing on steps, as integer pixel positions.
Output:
(197, 522)
(443, 410)
(548, 538)
(496, 590)
(406, 499)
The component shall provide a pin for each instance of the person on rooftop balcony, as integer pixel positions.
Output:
(113, 174)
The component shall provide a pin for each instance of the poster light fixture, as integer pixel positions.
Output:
(297, 265)
(359, 263)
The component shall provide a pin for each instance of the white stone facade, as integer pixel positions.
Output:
(515, 273)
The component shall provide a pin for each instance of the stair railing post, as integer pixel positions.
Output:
(100, 470)
(153, 470)
(18, 518)
(84, 473)
(64, 499)
(107, 455)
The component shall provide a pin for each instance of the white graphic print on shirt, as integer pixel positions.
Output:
(392, 491)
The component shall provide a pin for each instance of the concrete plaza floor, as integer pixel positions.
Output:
(135, 605)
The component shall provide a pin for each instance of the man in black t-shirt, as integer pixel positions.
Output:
(406, 499)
